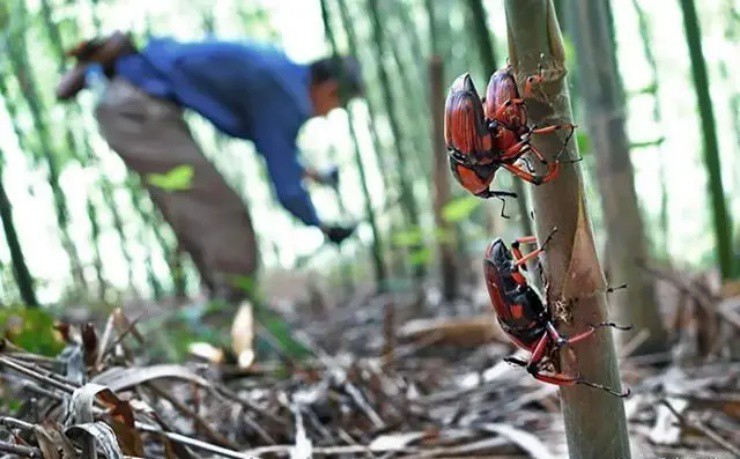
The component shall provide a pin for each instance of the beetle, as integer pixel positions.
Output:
(524, 316)
(481, 138)
(469, 141)
(506, 114)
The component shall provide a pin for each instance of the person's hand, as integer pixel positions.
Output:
(338, 233)
(328, 176)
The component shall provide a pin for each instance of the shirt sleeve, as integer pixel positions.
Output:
(286, 172)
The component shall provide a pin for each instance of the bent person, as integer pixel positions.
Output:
(248, 91)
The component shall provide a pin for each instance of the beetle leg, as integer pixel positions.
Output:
(552, 171)
(561, 340)
(562, 379)
(498, 195)
(505, 105)
(520, 260)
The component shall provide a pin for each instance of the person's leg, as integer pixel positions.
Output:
(209, 219)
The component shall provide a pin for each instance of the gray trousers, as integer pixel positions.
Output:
(210, 219)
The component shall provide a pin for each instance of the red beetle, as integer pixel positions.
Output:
(506, 114)
(469, 141)
(525, 318)
(480, 140)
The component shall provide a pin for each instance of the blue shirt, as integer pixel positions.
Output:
(246, 90)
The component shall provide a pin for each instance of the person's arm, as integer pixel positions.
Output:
(286, 172)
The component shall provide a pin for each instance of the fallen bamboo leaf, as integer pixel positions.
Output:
(468, 332)
(535, 447)
(80, 409)
(119, 378)
(392, 442)
(242, 336)
(303, 449)
(102, 437)
(207, 352)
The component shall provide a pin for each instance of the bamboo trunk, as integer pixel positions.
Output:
(22, 275)
(594, 420)
(484, 40)
(440, 166)
(722, 222)
(408, 201)
(17, 53)
(377, 246)
(84, 153)
(605, 118)
(657, 114)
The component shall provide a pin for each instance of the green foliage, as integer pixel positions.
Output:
(420, 257)
(460, 209)
(30, 329)
(179, 178)
(408, 238)
(584, 143)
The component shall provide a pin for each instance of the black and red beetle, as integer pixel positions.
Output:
(525, 318)
(481, 137)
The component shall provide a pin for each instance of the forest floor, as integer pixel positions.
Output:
(368, 378)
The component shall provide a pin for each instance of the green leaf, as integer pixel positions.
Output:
(420, 257)
(460, 209)
(30, 329)
(179, 178)
(408, 238)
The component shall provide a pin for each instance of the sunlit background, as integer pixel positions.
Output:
(296, 26)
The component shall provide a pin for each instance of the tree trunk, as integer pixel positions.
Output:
(20, 270)
(377, 246)
(440, 166)
(488, 58)
(594, 420)
(605, 118)
(722, 221)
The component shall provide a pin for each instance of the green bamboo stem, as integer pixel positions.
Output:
(408, 200)
(606, 119)
(377, 245)
(79, 148)
(657, 114)
(22, 275)
(17, 52)
(487, 56)
(722, 222)
(348, 25)
(595, 421)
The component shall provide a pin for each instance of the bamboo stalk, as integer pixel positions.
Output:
(440, 166)
(22, 275)
(408, 200)
(377, 246)
(484, 40)
(17, 52)
(722, 222)
(594, 420)
(348, 26)
(657, 114)
(605, 117)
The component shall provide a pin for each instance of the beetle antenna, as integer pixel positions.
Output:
(604, 388)
(612, 289)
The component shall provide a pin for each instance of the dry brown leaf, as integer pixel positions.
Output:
(466, 332)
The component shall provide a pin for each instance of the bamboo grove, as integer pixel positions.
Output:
(386, 143)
